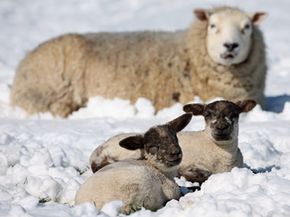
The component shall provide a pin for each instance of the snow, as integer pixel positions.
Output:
(43, 160)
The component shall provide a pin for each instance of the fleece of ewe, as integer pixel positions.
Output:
(221, 54)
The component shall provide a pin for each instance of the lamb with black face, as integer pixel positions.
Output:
(160, 144)
(221, 117)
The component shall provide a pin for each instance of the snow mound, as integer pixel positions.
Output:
(44, 159)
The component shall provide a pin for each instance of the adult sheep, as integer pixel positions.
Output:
(221, 54)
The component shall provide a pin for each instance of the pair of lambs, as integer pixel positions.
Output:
(140, 183)
(143, 172)
(221, 54)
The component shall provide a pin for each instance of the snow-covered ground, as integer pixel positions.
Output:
(43, 160)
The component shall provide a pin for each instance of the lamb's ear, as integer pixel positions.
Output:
(246, 105)
(201, 14)
(195, 109)
(132, 142)
(179, 123)
(258, 17)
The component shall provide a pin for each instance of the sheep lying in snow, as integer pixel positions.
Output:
(140, 183)
(213, 150)
(221, 54)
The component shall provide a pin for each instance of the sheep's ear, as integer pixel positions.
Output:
(179, 123)
(246, 105)
(195, 109)
(201, 14)
(133, 142)
(258, 17)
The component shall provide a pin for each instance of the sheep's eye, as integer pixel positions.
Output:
(247, 26)
(212, 26)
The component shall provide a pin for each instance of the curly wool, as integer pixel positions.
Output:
(60, 75)
(236, 82)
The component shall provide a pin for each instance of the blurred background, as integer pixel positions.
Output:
(25, 24)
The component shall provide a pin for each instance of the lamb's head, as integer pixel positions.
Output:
(160, 143)
(229, 33)
(221, 117)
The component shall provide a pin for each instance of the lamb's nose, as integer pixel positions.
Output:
(222, 126)
(231, 46)
(175, 151)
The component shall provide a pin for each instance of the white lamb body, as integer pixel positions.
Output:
(135, 183)
(202, 156)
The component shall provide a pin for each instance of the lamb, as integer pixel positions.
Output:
(221, 54)
(212, 150)
(144, 183)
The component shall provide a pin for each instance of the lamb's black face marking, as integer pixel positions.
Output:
(222, 117)
(162, 143)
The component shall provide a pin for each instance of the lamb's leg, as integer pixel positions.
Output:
(131, 200)
(195, 174)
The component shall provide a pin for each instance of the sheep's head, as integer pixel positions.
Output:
(229, 33)
(221, 117)
(160, 143)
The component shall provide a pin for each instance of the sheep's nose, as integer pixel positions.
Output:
(231, 46)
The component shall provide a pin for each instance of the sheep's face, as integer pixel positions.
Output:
(222, 120)
(161, 146)
(160, 143)
(221, 117)
(229, 34)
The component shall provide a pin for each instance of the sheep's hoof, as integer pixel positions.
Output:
(129, 208)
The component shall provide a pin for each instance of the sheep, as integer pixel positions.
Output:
(221, 54)
(144, 183)
(210, 151)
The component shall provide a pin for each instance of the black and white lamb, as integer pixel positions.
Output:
(144, 183)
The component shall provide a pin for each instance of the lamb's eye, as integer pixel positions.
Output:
(153, 149)
(212, 26)
(233, 115)
(207, 114)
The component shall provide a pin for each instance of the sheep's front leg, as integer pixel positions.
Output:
(170, 190)
(132, 198)
(130, 208)
(194, 174)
